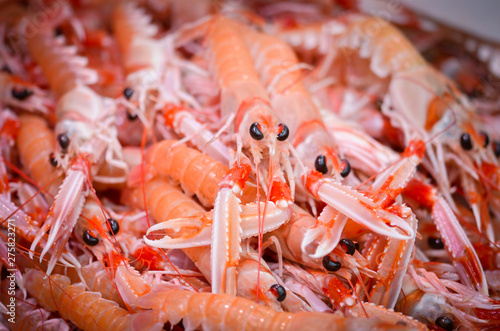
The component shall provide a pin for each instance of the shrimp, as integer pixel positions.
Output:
(143, 61)
(19, 94)
(242, 94)
(378, 58)
(385, 196)
(96, 230)
(244, 101)
(97, 279)
(184, 124)
(460, 249)
(443, 112)
(345, 261)
(278, 67)
(165, 203)
(220, 311)
(365, 153)
(87, 310)
(193, 161)
(29, 317)
(179, 162)
(214, 175)
(102, 236)
(432, 300)
(35, 145)
(153, 72)
(85, 134)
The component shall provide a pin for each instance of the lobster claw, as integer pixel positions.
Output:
(201, 227)
(393, 267)
(462, 253)
(62, 217)
(358, 207)
(330, 233)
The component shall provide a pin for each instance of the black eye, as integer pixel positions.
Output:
(331, 265)
(279, 291)
(21, 94)
(114, 226)
(347, 169)
(89, 240)
(127, 93)
(496, 148)
(320, 164)
(63, 140)
(486, 138)
(348, 246)
(445, 323)
(255, 132)
(4, 274)
(58, 31)
(466, 142)
(435, 243)
(283, 135)
(52, 160)
(7, 69)
(131, 117)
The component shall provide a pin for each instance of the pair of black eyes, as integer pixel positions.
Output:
(466, 141)
(127, 93)
(6, 69)
(350, 248)
(92, 241)
(257, 134)
(320, 166)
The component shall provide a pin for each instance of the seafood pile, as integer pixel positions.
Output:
(243, 165)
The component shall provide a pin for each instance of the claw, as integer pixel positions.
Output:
(358, 207)
(62, 217)
(226, 230)
(463, 254)
(226, 239)
(392, 268)
(330, 229)
(202, 226)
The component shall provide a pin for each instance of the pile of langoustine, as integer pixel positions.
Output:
(200, 166)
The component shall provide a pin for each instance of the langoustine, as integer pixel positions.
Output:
(420, 187)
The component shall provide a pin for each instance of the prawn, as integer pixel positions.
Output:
(84, 132)
(166, 203)
(29, 317)
(216, 311)
(35, 143)
(87, 310)
(278, 67)
(443, 299)
(193, 161)
(445, 114)
(16, 93)
(153, 72)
